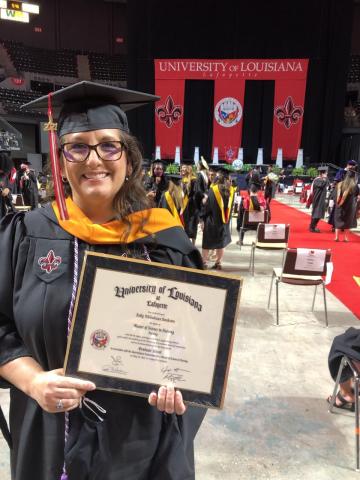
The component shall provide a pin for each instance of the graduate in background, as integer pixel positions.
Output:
(173, 197)
(41, 256)
(202, 182)
(6, 183)
(28, 185)
(191, 211)
(156, 184)
(317, 198)
(347, 192)
(216, 216)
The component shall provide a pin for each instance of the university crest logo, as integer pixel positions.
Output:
(99, 339)
(228, 112)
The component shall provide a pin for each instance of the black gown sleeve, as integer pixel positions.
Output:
(11, 233)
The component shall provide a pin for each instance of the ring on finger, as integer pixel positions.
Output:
(59, 405)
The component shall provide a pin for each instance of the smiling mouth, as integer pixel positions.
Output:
(95, 176)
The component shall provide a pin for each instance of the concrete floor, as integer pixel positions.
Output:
(275, 423)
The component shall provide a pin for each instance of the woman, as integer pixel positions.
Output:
(252, 202)
(40, 253)
(345, 206)
(6, 186)
(216, 217)
(173, 198)
(191, 213)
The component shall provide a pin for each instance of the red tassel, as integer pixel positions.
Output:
(55, 168)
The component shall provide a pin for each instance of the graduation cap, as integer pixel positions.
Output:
(323, 169)
(175, 178)
(352, 163)
(218, 168)
(162, 162)
(84, 107)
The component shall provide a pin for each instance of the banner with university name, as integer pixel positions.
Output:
(230, 78)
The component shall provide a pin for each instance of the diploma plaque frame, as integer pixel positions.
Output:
(138, 325)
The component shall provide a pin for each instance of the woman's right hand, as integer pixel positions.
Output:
(56, 393)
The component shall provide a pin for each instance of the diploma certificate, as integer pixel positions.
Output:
(138, 325)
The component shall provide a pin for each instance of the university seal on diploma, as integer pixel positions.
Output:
(138, 325)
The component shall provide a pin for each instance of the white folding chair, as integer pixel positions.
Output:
(271, 236)
(300, 272)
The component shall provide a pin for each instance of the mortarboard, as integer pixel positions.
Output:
(87, 106)
(83, 107)
(352, 163)
(162, 162)
(323, 169)
(175, 178)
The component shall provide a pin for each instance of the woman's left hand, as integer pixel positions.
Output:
(168, 400)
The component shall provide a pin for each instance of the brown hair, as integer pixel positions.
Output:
(131, 197)
(176, 194)
(346, 187)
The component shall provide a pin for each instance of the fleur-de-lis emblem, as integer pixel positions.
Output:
(169, 113)
(288, 114)
(50, 262)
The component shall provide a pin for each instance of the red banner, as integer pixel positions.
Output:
(169, 116)
(288, 117)
(228, 115)
(229, 76)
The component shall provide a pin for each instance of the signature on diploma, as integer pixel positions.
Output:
(115, 367)
(174, 375)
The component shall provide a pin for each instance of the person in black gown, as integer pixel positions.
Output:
(216, 217)
(156, 184)
(28, 185)
(6, 186)
(40, 254)
(346, 193)
(318, 199)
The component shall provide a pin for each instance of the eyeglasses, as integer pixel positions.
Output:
(110, 151)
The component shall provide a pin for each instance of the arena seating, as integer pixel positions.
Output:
(107, 67)
(354, 70)
(41, 60)
(11, 100)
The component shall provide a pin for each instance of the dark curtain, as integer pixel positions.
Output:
(198, 125)
(316, 29)
(350, 147)
(258, 118)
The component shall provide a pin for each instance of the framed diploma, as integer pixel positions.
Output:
(138, 325)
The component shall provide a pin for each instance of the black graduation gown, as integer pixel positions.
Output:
(348, 343)
(319, 187)
(30, 190)
(191, 212)
(5, 202)
(345, 214)
(201, 187)
(159, 188)
(144, 444)
(216, 234)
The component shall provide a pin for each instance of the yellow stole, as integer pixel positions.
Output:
(173, 210)
(141, 224)
(225, 214)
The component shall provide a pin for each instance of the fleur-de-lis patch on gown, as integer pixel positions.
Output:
(50, 262)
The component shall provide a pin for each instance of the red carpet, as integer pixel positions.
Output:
(345, 256)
